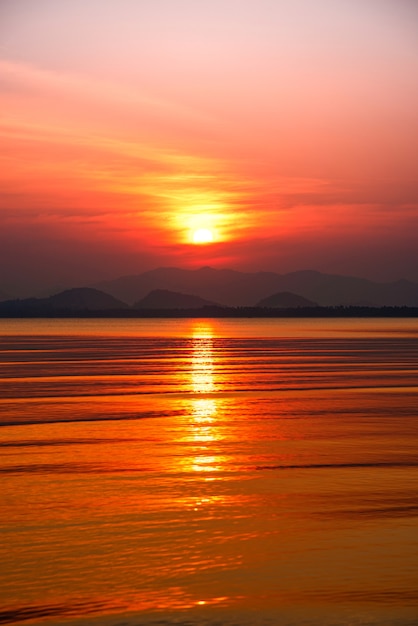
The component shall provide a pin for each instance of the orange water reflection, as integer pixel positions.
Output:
(204, 409)
(202, 371)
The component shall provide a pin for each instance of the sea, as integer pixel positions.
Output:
(209, 472)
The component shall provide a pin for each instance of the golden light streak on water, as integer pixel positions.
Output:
(204, 409)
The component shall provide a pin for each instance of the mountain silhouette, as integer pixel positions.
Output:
(285, 299)
(165, 299)
(70, 300)
(206, 283)
(85, 298)
(234, 288)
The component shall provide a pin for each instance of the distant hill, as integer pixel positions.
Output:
(165, 299)
(84, 298)
(71, 300)
(233, 288)
(207, 283)
(285, 299)
(4, 296)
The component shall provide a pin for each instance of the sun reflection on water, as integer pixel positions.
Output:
(202, 373)
(204, 409)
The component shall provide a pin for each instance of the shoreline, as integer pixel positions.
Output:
(221, 312)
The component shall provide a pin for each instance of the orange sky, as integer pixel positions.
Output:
(290, 129)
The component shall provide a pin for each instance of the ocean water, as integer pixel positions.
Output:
(213, 472)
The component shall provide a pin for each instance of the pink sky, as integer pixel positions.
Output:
(290, 129)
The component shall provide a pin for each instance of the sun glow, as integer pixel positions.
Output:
(202, 235)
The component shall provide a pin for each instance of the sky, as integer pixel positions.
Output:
(288, 130)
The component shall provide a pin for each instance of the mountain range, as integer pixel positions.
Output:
(166, 299)
(285, 300)
(173, 288)
(233, 288)
(71, 300)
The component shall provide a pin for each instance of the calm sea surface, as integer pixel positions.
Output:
(211, 472)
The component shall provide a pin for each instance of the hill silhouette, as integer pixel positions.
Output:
(87, 302)
(71, 300)
(206, 283)
(84, 298)
(165, 299)
(233, 288)
(176, 289)
(285, 299)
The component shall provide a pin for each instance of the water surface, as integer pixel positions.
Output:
(231, 472)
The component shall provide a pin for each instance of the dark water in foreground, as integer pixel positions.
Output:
(214, 472)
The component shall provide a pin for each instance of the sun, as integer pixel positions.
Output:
(202, 235)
